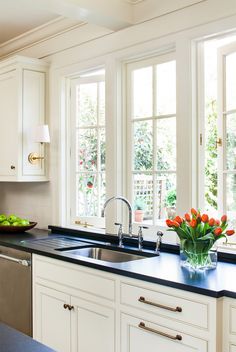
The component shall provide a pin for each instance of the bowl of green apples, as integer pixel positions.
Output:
(13, 223)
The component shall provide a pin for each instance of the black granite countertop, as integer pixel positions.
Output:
(14, 341)
(164, 269)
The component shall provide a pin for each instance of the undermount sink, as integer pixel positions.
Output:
(105, 254)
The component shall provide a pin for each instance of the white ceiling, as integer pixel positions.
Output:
(18, 17)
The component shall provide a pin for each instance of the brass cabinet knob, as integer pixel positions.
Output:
(13, 167)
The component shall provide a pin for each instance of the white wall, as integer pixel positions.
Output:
(67, 53)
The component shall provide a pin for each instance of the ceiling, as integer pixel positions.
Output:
(18, 17)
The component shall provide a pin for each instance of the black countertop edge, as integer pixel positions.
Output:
(165, 247)
(146, 278)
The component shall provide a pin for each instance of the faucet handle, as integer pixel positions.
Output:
(120, 233)
(158, 243)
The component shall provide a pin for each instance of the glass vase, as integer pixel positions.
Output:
(198, 255)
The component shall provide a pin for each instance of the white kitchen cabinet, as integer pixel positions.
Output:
(113, 313)
(229, 325)
(92, 326)
(53, 323)
(140, 335)
(22, 107)
(72, 314)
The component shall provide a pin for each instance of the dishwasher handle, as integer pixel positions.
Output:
(23, 262)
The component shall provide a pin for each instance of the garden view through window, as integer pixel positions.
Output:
(218, 129)
(89, 141)
(152, 116)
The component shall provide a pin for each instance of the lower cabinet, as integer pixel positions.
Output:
(140, 335)
(52, 323)
(70, 324)
(80, 309)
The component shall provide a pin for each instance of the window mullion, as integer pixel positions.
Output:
(154, 126)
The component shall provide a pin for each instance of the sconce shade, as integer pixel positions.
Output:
(41, 134)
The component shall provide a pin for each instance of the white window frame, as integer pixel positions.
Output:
(222, 52)
(153, 61)
(96, 223)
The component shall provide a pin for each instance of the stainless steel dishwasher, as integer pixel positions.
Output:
(15, 289)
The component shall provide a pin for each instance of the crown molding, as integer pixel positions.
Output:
(39, 34)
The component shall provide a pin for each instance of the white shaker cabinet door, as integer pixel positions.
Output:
(52, 322)
(92, 327)
(140, 335)
(9, 124)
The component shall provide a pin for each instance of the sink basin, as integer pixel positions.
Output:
(107, 255)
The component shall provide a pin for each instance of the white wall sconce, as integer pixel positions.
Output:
(41, 135)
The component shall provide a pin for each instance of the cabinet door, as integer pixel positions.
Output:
(148, 337)
(52, 323)
(9, 124)
(92, 327)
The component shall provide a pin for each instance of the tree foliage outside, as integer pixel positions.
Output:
(211, 156)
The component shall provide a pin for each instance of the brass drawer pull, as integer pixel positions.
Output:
(144, 327)
(143, 300)
(71, 307)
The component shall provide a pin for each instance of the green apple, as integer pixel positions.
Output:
(2, 217)
(23, 222)
(12, 218)
(16, 223)
(5, 223)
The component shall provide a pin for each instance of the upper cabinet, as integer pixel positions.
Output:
(23, 91)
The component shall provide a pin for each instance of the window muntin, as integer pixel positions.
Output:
(217, 127)
(88, 148)
(152, 119)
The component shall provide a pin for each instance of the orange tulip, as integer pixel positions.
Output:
(193, 223)
(175, 223)
(230, 232)
(169, 223)
(187, 217)
(212, 222)
(194, 211)
(205, 218)
(218, 231)
(178, 219)
(224, 218)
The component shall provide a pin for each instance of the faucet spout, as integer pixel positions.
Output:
(123, 199)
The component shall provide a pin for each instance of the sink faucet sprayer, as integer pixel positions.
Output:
(128, 205)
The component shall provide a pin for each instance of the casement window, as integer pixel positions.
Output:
(87, 148)
(217, 127)
(151, 136)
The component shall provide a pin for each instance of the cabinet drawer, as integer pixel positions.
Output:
(74, 276)
(183, 310)
(140, 335)
(232, 348)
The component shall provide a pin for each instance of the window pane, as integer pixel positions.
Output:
(102, 103)
(231, 141)
(166, 195)
(87, 195)
(142, 92)
(166, 144)
(102, 191)
(102, 149)
(87, 104)
(211, 154)
(231, 195)
(86, 146)
(143, 145)
(143, 194)
(166, 88)
(231, 82)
